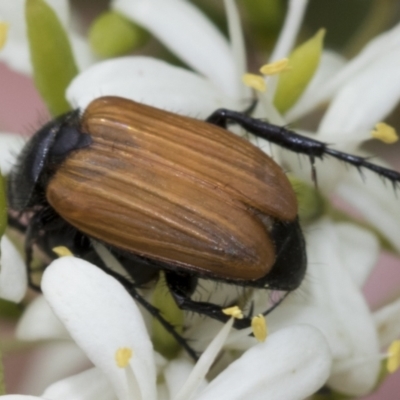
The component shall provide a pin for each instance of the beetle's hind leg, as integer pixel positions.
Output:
(297, 143)
(155, 312)
(182, 286)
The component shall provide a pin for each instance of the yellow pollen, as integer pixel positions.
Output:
(254, 81)
(123, 356)
(62, 251)
(234, 312)
(275, 67)
(3, 33)
(393, 361)
(259, 327)
(385, 133)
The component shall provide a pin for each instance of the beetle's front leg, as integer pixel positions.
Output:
(34, 226)
(297, 143)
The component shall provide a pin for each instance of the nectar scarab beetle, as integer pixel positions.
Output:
(167, 192)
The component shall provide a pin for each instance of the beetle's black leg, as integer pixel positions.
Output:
(15, 223)
(181, 288)
(155, 312)
(293, 141)
(34, 226)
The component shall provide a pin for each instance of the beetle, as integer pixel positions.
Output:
(171, 193)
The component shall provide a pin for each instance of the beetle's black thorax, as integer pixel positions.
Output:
(40, 158)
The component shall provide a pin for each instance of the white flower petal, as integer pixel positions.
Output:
(359, 250)
(13, 277)
(290, 29)
(61, 8)
(196, 377)
(332, 287)
(298, 311)
(388, 323)
(375, 201)
(84, 57)
(10, 147)
(189, 34)
(40, 323)
(238, 47)
(284, 45)
(365, 100)
(176, 373)
(15, 54)
(16, 51)
(53, 361)
(102, 318)
(88, 385)
(21, 397)
(290, 365)
(148, 81)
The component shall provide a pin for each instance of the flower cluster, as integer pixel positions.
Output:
(324, 333)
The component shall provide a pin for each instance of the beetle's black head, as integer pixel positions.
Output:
(40, 158)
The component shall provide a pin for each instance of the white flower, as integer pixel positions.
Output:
(102, 318)
(16, 51)
(154, 82)
(13, 279)
(341, 256)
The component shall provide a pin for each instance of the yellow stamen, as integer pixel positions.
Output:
(234, 312)
(3, 33)
(275, 67)
(256, 82)
(393, 361)
(123, 356)
(259, 327)
(62, 251)
(385, 133)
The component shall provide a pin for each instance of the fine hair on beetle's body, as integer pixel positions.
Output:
(170, 193)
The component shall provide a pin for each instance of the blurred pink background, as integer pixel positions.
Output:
(22, 111)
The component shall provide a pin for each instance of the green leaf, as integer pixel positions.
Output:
(163, 341)
(303, 63)
(112, 35)
(51, 55)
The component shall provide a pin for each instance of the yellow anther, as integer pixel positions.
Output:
(3, 33)
(385, 133)
(275, 67)
(259, 327)
(62, 251)
(254, 81)
(234, 312)
(393, 361)
(123, 356)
